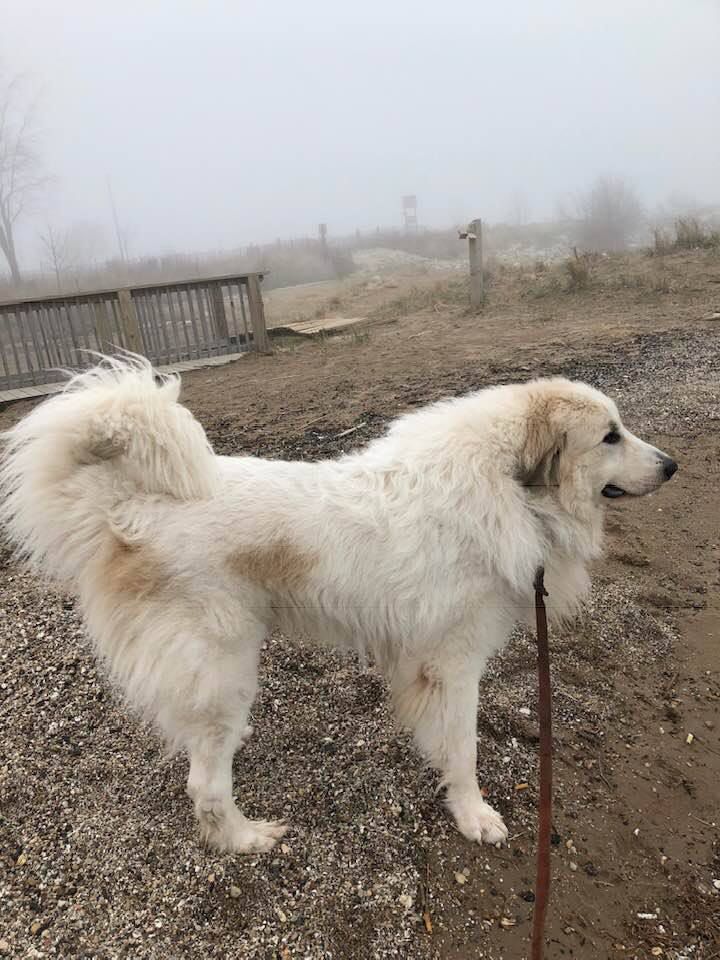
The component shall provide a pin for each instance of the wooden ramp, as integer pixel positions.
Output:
(309, 328)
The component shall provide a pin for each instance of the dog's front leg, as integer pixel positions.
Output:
(438, 701)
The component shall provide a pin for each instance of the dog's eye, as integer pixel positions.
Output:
(612, 437)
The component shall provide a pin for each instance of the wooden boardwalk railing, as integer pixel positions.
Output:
(166, 322)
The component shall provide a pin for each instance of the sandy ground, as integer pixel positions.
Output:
(98, 857)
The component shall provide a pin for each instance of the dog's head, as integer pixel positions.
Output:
(576, 446)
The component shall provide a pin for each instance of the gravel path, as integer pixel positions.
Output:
(98, 855)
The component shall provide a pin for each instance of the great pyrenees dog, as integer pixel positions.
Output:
(418, 551)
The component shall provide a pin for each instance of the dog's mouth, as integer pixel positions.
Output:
(612, 492)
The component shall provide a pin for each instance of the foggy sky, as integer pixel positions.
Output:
(221, 123)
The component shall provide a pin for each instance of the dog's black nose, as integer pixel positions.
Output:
(669, 467)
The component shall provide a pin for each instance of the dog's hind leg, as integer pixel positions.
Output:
(211, 723)
(438, 701)
(222, 825)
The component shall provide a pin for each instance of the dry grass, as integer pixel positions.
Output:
(579, 271)
(690, 234)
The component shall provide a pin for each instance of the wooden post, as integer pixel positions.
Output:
(322, 233)
(129, 322)
(219, 318)
(474, 237)
(261, 341)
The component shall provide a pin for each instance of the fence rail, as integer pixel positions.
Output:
(166, 322)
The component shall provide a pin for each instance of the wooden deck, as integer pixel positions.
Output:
(45, 389)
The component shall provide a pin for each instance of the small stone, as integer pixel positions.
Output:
(282, 916)
(716, 884)
(525, 711)
(35, 926)
(461, 878)
(21, 860)
(235, 892)
(573, 866)
(709, 724)
(636, 832)
(4, 946)
(405, 900)
(657, 951)
(285, 848)
(528, 896)
(689, 738)
(507, 922)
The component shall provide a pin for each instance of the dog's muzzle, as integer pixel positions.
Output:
(668, 469)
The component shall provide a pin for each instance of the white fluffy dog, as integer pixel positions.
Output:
(419, 550)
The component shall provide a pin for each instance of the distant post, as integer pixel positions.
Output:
(322, 233)
(473, 235)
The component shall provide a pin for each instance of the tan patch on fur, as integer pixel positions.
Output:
(549, 415)
(133, 569)
(278, 566)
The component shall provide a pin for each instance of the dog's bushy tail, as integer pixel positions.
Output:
(116, 433)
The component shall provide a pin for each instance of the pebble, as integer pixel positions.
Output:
(405, 900)
(235, 892)
(461, 878)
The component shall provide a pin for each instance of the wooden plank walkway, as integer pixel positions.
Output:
(310, 327)
(45, 389)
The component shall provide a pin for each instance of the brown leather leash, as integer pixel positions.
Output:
(542, 877)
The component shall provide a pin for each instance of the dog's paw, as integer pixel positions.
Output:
(225, 829)
(258, 836)
(477, 820)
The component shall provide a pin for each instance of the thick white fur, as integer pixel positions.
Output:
(419, 550)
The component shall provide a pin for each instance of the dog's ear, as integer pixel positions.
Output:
(543, 444)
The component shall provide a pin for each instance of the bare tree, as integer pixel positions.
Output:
(66, 251)
(20, 176)
(609, 213)
(57, 253)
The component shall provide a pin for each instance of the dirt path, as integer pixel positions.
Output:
(98, 850)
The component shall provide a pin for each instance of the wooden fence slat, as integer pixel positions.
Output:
(12, 342)
(180, 318)
(186, 306)
(34, 324)
(103, 328)
(202, 317)
(129, 322)
(3, 326)
(241, 295)
(217, 311)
